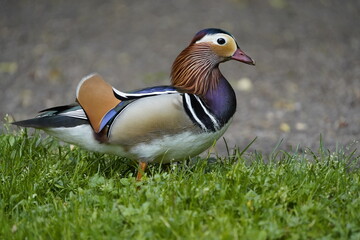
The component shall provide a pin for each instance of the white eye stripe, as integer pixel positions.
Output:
(213, 38)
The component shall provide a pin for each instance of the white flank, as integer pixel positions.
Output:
(165, 149)
(82, 136)
(177, 147)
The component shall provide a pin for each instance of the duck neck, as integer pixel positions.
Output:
(221, 100)
(195, 70)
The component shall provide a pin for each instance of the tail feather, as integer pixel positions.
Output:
(54, 121)
(62, 108)
(61, 116)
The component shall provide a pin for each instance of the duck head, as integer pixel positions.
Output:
(195, 70)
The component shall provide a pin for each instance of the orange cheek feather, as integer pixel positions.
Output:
(226, 50)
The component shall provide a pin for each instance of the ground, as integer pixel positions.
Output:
(306, 82)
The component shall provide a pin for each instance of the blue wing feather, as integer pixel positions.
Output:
(127, 98)
(107, 118)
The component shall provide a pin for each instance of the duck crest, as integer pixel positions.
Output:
(195, 70)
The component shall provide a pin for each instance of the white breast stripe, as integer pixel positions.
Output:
(126, 95)
(79, 113)
(188, 102)
(215, 122)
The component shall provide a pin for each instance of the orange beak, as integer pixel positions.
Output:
(242, 57)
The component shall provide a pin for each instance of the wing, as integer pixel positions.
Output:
(102, 103)
(150, 118)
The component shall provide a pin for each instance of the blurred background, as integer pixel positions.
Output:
(306, 82)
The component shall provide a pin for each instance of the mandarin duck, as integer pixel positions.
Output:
(155, 124)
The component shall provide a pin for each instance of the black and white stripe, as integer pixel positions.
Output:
(199, 113)
(124, 96)
(77, 113)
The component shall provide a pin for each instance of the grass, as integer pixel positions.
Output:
(53, 191)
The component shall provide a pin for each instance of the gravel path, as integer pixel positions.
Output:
(306, 81)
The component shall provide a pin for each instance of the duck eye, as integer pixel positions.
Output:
(221, 41)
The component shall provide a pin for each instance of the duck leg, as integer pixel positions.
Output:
(141, 170)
